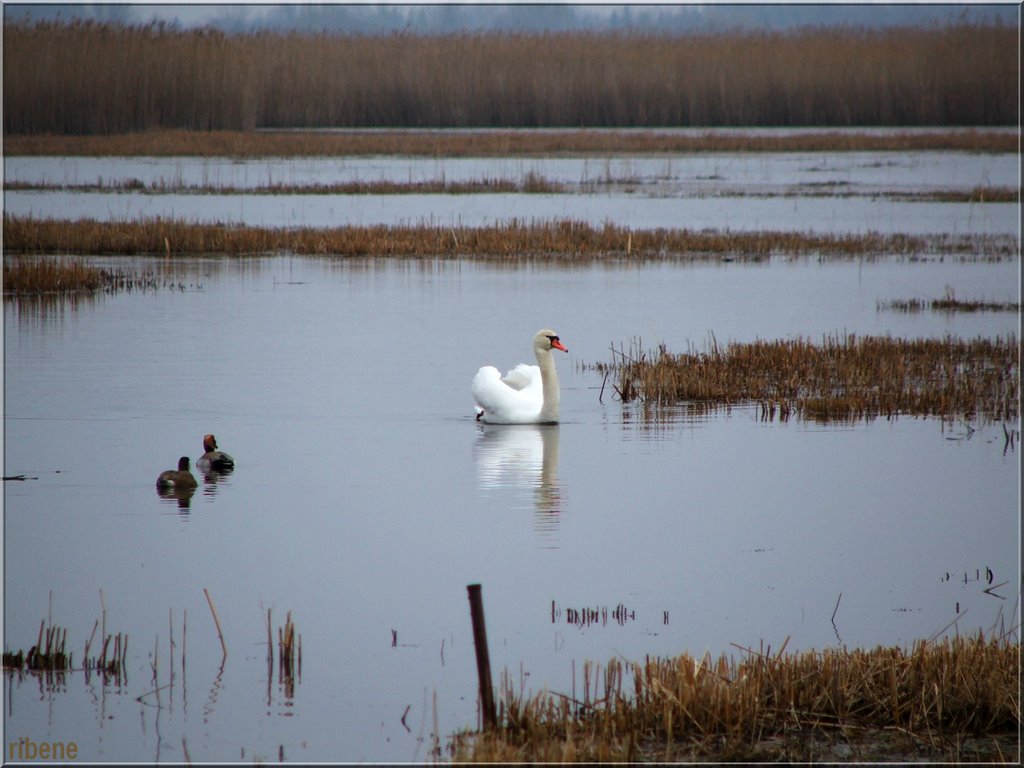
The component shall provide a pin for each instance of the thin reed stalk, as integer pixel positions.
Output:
(216, 621)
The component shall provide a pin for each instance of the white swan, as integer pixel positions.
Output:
(528, 394)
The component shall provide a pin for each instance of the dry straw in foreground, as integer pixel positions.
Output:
(811, 705)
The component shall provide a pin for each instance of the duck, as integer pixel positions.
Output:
(528, 394)
(179, 478)
(213, 458)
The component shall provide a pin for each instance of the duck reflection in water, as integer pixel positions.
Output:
(177, 484)
(523, 457)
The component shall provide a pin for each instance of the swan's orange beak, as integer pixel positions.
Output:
(556, 344)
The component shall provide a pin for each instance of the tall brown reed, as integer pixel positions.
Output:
(84, 77)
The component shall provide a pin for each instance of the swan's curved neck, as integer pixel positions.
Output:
(549, 384)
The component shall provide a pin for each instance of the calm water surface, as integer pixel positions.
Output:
(366, 496)
(807, 192)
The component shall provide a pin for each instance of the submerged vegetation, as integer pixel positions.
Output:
(950, 700)
(843, 378)
(95, 78)
(515, 240)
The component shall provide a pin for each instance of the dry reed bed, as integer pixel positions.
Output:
(843, 378)
(685, 708)
(530, 184)
(516, 241)
(23, 276)
(28, 276)
(87, 77)
(949, 303)
(497, 143)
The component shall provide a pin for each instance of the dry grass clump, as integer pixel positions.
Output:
(845, 377)
(496, 143)
(47, 655)
(39, 277)
(515, 241)
(949, 303)
(30, 275)
(87, 77)
(769, 707)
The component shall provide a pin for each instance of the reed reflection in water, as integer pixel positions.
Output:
(523, 458)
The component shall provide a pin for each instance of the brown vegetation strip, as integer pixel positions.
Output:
(160, 143)
(843, 378)
(512, 241)
(765, 706)
(949, 304)
(531, 184)
(90, 78)
(33, 276)
(23, 276)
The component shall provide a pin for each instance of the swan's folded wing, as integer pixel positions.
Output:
(485, 383)
(523, 376)
(514, 399)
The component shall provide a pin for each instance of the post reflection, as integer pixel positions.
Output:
(523, 457)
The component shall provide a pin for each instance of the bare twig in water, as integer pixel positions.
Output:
(216, 621)
(833, 619)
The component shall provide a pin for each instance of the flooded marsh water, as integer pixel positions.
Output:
(812, 192)
(366, 497)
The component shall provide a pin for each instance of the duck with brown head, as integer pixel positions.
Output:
(213, 459)
(177, 479)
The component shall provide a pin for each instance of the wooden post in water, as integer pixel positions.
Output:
(483, 659)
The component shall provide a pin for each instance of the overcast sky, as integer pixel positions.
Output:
(386, 17)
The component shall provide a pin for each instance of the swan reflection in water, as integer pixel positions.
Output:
(523, 457)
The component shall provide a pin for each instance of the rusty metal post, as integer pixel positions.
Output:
(483, 659)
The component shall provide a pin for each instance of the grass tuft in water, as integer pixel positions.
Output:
(24, 276)
(948, 303)
(47, 655)
(843, 378)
